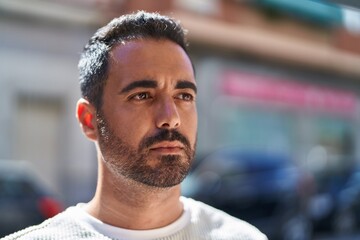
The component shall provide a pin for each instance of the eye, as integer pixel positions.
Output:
(186, 97)
(140, 96)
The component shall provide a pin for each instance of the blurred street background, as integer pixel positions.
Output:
(278, 105)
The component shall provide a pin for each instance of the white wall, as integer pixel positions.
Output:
(38, 92)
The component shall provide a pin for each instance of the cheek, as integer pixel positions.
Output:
(129, 126)
(189, 125)
(194, 127)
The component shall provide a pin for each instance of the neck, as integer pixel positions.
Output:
(128, 204)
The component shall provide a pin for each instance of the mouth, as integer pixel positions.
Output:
(167, 148)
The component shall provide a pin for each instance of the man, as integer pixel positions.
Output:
(138, 107)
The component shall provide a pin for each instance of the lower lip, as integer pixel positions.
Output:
(167, 150)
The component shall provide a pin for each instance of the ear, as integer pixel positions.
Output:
(85, 114)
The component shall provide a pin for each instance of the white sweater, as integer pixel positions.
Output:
(199, 221)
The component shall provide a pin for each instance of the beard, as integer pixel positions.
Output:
(131, 163)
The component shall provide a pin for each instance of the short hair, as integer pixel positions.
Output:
(94, 60)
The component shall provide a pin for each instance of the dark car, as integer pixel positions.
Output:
(24, 200)
(333, 206)
(347, 211)
(264, 189)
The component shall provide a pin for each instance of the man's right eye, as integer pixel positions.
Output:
(140, 96)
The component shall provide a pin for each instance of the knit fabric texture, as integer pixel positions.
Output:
(206, 223)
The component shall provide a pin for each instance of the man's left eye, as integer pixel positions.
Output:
(186, 97)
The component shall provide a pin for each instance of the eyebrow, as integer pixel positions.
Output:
(186, 84)
(153, 84)
(139, 84)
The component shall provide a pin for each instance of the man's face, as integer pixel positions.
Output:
(147, 124)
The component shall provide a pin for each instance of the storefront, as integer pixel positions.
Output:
(265, 108)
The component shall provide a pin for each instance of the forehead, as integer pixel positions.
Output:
(149, 58)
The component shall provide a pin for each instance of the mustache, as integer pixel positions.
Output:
(165, 135)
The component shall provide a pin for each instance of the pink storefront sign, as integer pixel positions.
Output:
(273, 90)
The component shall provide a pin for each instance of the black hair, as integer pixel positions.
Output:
(94, 60)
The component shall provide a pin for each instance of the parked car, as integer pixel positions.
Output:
(24, 200)
(264, 189)
(347, 213)
(332, 206)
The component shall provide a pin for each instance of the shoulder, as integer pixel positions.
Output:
(62, 226)
(219, 224)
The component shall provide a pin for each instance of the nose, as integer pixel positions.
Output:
(167, 115)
